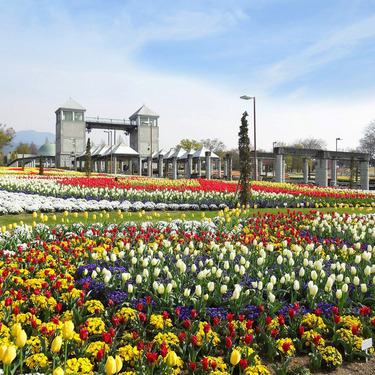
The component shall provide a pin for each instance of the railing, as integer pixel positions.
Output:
(101, 120)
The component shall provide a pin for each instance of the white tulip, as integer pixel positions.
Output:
(313, 290)
(113, 257)
(169, 287)
(130, 288)
(314, 275)
(356, 281)
(363, 288)
(138, 279)
(156, 271)
(271, 297)
(198, 290)
(345, 288)
(338, 293)
(223, 289)
(211, 286)
(270, 287)
(187, 292)
(161, 289)
(260, 261)
(301, 272)
(296, 285)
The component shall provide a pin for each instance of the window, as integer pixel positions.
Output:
(67, 116)
(78, 116)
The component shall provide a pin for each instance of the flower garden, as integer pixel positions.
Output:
(242, 293)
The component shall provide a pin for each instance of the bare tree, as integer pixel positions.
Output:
(312, 143)
(367, 143)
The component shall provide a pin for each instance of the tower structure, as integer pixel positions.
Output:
(145, 137)
(70, 133)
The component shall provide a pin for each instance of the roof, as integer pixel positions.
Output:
(143, 111)
(185, 155)
(71, 104)
(201, 153)
(177, 154)
(48, 149)
(169, 153)
(121, 149)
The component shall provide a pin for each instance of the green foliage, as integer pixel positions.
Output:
(188, 144)
(13, 156)
(6, 136)
(22, 148)
(245, 162)
(88, 158)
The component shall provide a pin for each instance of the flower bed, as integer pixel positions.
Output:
(187, 297)
(181, 194)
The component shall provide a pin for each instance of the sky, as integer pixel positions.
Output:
(310, 64)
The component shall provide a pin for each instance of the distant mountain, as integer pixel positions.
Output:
(28, 136)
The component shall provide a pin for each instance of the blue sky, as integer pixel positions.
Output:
(310, 65)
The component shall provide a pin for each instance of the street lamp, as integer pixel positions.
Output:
(338, 139)
(245, 97)
(110, 134)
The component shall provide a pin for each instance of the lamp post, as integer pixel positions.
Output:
(338, 139)
(110, 134)
(246, 97)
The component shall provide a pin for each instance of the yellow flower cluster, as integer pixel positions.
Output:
(95, 325)
(201, 335)
(158, 321)
(126, 352)
(80, 366)
(38, 359)
(34, 344)
(168, 338)
(348, 321)
(256, 370)
(311, 321)
(95, 346)
(309, 336)
(279, 346)
(127, 313)
(221, 366)
(331, 356)
(93, 306)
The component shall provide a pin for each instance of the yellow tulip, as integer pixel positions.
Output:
(118, 363)
(235, 357)
(68, 329)
(56, 344)
(85, 215)
(3, 349)
(21, 338)
(3, 229)
(35, 215)
(15, 329)
(58, 371)
(9, 355)
(110, 366)
(171, 358)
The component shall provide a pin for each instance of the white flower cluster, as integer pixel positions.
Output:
(16, 203)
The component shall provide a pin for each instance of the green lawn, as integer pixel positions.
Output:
(52, 219)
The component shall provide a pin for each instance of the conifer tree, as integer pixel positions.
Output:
(245, 165)
(41, 165)
(88, 158)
